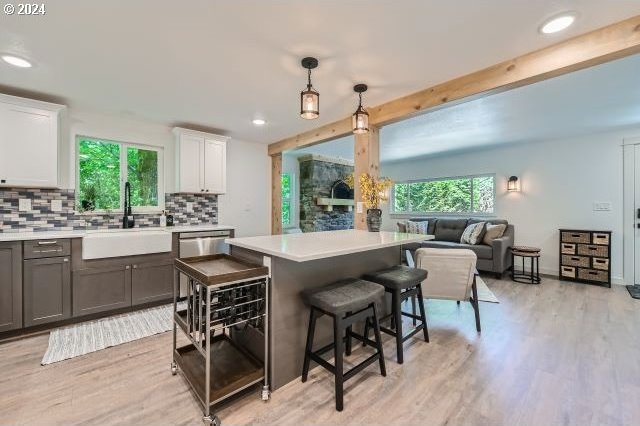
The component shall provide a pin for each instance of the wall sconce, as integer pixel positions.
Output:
(513, 185)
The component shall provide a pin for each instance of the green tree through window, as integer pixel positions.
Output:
(285, 181)
(472, 194)
(100, 164)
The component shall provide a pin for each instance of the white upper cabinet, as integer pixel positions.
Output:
(29, 143)
(201, 162)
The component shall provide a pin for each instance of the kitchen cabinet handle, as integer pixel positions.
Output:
(65, 259)
(127, 267)
(207, 190)
(135, 266)
(47, 243)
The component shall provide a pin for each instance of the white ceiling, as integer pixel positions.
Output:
(220, 63)
(597, 99)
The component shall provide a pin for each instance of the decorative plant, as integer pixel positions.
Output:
(374, 190)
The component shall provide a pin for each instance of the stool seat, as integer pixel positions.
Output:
(397, 277)
(344, 296)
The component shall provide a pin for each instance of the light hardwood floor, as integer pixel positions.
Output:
(557, 353)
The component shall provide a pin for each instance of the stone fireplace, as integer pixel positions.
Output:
(319, 175)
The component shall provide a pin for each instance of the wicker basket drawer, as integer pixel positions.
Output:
(592, 275)
(582, 261)
(576, 237)
(602, 264)
(593, 250)
(568, 248)
(568, 271)
(599, 238)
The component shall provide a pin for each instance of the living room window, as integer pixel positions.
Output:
(450, 195)
(103, 167)
(286, 182)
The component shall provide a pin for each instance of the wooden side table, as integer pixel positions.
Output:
(531, 253)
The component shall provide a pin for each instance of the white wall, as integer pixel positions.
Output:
(560, 181)
(247, 202)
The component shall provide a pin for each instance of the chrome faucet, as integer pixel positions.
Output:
(128, 221)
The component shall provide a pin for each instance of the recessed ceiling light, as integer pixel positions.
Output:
(259, 122)
(16, 61)
(558, 23)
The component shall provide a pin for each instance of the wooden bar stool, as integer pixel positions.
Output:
(346, 301)
(403, 283)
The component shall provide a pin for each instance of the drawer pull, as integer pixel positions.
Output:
(577, 259)
(599, 261)
(65, 259)
(576, 235)
(593, 248)
(593, 273)
(47, 243)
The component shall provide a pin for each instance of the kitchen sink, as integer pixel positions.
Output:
(129, 242)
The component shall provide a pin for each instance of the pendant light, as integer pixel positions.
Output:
(309, 98)
(360, 118)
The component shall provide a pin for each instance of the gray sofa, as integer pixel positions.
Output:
(494, 258)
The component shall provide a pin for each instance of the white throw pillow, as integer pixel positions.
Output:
(417, 227)
(473, 233)
(493, 232)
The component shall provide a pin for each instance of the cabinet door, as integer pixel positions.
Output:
(10, 286)
(29, 146)
(191, 173)
(101, 289)
(47, 290)
(151, 282)
(215, 166)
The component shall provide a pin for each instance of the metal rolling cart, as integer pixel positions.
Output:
(226, 296)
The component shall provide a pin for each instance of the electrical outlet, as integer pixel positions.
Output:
(24, 204)
(359, 207)
(602, 206)
(190, 207)
(56, 205)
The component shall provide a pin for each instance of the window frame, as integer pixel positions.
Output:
(124, 173)
(411, 213)
(291, 197)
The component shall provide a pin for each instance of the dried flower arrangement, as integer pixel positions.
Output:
(374, 190)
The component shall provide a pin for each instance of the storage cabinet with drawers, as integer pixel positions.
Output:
(585, 256)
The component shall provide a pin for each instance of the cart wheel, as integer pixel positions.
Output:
(266, 394)
(212, 421)
(174, 368)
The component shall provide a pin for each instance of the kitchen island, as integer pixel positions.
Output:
(303, 261)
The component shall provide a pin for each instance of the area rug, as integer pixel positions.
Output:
(91, 336)
(484, 293)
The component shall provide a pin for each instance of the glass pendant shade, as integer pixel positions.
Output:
(360, 121)
(309, 103)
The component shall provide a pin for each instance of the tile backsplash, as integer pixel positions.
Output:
(41, 217)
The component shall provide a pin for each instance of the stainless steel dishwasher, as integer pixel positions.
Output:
(201, 243)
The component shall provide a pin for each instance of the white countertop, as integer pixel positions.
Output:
(319, 245)
(42, 235)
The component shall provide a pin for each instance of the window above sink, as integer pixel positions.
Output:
(102, 168)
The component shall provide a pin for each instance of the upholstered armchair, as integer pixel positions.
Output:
(452, 276)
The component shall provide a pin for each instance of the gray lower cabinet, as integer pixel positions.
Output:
(151, 282)
(47, 290)
(101, 289)
(10, 285)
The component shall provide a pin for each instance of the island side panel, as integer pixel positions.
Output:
(290, 316)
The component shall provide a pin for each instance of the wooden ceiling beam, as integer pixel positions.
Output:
(615, 41)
